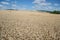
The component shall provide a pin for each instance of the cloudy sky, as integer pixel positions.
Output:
(30, 4)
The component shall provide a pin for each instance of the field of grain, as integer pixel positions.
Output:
(29, 25)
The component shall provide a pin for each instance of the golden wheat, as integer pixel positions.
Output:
(29, 25)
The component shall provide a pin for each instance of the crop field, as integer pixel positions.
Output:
(29, 25)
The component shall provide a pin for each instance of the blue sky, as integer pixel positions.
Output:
(30, 4)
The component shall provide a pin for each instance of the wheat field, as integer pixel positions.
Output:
(29, 25)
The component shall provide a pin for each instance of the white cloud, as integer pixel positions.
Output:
(1, 5)
(14, 5)
(20, 7)
(50, 7)
(38, 1)
(23, 8)
(56, 4)
(42, 4)
(3, 2)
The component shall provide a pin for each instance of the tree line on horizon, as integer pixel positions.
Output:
(52, 12)
(55, 12)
